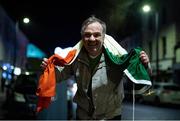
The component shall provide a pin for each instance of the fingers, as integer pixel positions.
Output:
(144, 58)
(44, 63)
(45, 60)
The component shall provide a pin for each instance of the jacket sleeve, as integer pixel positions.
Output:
(63, 73)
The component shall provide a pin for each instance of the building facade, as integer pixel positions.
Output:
(161, 42)
(13, 43)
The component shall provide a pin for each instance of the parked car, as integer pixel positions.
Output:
(163, 93)
(22, 99)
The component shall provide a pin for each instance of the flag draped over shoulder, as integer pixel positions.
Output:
(130, 63)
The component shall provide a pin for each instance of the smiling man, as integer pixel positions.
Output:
(98, 70)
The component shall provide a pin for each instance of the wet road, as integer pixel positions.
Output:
(142, 111)
(150, 112)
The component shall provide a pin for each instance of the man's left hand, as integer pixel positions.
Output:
(144, 58)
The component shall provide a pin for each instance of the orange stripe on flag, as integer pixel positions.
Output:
(47, 81)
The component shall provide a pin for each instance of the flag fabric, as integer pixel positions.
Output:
(130, 62)
(47, 81)
(133, 67)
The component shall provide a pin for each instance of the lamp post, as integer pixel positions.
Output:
(157, 44)
(25, 21)
(146, 9)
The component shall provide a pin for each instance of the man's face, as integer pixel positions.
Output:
(93, 38)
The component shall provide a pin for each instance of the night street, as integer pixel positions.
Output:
(80, 59)
(150, 112)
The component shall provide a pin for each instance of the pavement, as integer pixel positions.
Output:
(2, 110)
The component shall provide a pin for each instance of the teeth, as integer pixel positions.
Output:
(92, 44)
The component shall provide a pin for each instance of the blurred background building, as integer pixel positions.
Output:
(15, 48)
(161, 38)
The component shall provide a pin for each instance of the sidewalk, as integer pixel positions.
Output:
(2, 111)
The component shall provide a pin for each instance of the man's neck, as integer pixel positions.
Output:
(94, 56)
(91, 56)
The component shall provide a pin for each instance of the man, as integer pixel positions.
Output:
(99, 80)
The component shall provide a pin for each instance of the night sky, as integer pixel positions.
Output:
(57, 23)
(54, 23)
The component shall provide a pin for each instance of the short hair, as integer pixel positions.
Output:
(91, 20)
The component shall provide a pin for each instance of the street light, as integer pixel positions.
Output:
(25, 21)
(147, 8)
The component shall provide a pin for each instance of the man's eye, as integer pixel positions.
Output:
(96, 35)
(87, 35)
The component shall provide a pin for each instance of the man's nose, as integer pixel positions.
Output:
(92, 38)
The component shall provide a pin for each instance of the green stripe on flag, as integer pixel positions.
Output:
(132, 65)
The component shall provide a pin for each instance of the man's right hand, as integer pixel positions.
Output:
(44, 63)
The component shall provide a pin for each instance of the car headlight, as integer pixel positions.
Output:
(19, 97)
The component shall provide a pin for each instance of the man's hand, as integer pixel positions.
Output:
(44, 63)
(145, 60)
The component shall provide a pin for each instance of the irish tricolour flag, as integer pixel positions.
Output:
(130, 63)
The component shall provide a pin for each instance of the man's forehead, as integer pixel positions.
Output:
(88, 32)
(94, 27)
(95, 24)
